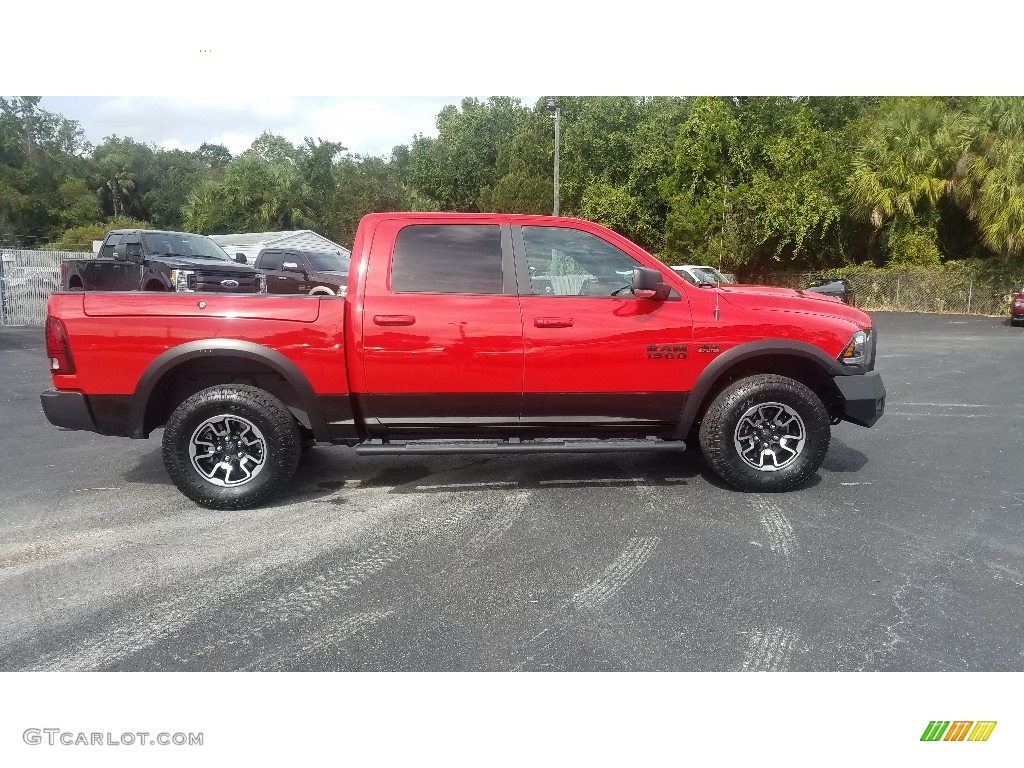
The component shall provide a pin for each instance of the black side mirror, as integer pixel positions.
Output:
(240, 258)
(120, 253)
(649, 284)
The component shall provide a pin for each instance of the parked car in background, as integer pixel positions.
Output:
(1017, 307)
(154, 260)
(293, 270)
(837, 289)
(701, 275)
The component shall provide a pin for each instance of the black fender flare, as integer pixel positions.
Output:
(152, 273)
(742, 353)
(222, 348)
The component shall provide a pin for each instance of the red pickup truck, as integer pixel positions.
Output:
(468, 333)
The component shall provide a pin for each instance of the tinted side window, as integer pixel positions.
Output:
(571, 262)
(447, 258)
(107, 251)
(271, 260)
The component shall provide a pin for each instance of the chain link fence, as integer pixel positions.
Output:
(27, 278)
(914, 291)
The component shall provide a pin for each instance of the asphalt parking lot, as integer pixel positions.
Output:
(904, 552)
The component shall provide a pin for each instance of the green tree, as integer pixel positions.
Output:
(80, 238)
(39, 151)
(989, 182)
(905, 164)
(262, 190)
(452, 170)
(758, 181)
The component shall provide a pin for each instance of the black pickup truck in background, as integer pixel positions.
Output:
(300, 270)
(153, 260)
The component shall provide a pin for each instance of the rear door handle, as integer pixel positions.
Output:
(393, 319)
(553, 322)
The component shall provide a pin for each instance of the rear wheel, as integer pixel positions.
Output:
(231, 446)
(765, 433)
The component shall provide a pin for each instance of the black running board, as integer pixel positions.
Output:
(422, 447)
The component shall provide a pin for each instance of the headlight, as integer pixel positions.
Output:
(857, 350)
(184, 280)
(261, 282)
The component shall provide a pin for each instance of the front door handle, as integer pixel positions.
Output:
(553, 322)
(393, 319)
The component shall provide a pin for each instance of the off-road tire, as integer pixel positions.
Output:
(256, 424)
(764, 400)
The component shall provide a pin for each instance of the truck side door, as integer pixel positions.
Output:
(295, 270)
(442, 337)
(598, 359)
(127, 274)
(270, 263)
(102, 274)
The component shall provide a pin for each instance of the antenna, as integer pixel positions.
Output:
(721, 249)
(725, 202)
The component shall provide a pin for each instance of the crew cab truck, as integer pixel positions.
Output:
(154, 260)
(468, 333)
(297, 270)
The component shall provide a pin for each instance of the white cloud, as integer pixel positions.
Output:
(365, 125)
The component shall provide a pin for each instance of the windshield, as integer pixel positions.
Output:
(328, 262)
(712, 275)
(181, 244)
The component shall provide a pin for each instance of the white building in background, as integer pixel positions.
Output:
(251, 243)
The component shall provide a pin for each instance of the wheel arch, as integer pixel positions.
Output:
(796, 360)
(180, 372)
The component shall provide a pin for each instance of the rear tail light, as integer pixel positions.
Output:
(57, 347)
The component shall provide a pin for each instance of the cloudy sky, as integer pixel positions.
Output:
(365, 124)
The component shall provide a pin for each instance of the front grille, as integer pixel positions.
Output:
(211, 282)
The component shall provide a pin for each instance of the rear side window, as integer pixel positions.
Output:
(447, 258)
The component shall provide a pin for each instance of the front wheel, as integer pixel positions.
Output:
(765, 433)
(231, 446)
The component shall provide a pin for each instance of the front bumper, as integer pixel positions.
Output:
(863, 397)
(68, 410)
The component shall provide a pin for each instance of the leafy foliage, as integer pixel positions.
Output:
(756, 182)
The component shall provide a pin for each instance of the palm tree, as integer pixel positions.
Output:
(908, 160)
(990, 176)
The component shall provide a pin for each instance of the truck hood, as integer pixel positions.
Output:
(205, 265)
(788, 299)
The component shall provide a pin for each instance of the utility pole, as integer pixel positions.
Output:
(556, 112)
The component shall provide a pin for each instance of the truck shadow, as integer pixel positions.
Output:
(843, 458)
(149, 470)
(324, 471)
